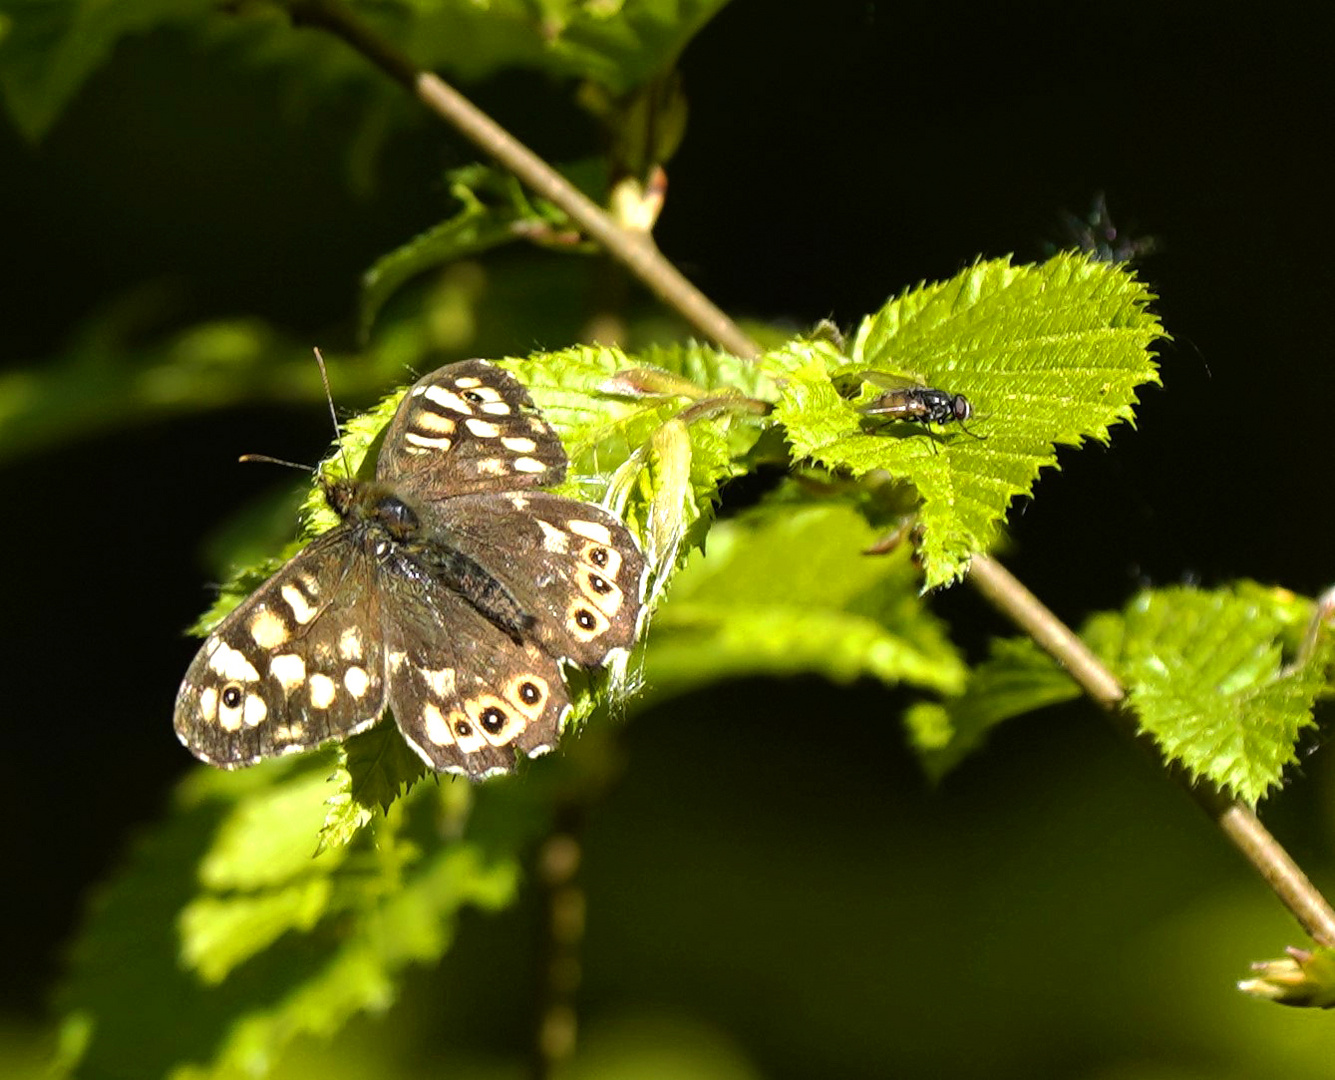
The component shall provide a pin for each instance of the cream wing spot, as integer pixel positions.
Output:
(433, 422)
(357, 682)
(208, 704)
(441, 681)
(437, 728)
(267, 630)
(230, 663)
(323, 691)
(289, 669)
(302, 610)
(447, 399)
(553, 539)
(591, 530)
(483, 429)
(254, 710)
(519, 445)
(468, 382)
(350, 644)
(427, 442)
(491, 467)
(496, 408)
(529, 465)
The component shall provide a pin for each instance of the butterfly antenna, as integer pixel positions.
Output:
(275, 461)
(333, 414)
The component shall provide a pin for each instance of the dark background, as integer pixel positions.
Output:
(837, 153)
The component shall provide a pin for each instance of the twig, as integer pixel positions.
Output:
(562, 912)
(634, 250)
(1236, 819)
(637, 252)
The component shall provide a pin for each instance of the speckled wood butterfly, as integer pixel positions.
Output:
(452, 592)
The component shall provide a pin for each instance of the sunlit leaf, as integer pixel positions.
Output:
(1046, 355)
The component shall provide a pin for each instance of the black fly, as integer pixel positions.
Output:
(913, 403)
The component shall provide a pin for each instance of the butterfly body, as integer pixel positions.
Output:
(452, 592)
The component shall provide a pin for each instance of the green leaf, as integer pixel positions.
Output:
(48, 50)
(375, 768)
(224, 939)
(1205, 674)
(105, 379)
(1046, 355)
(787, 590)
(495, 210)
(617, 45)
(1015, 679)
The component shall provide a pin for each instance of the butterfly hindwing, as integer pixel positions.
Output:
(582, 574)
(469, 427)
(296, 664)
(468, 707)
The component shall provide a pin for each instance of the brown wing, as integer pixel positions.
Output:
(465, 428)
(464, 693)
(300, 662)
(572, 566)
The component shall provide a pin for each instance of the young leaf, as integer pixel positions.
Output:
(1015, 679)
(1305, 978)
(1046, 355)
(1205, 675)
(375, 767)
(617, 46)
(787, 591)
(223, 940)
(494, 210)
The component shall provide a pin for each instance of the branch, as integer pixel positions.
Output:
(1239, 823)
(636, 251)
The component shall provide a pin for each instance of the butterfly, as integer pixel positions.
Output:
(452, 592)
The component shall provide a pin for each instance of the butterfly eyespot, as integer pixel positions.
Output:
(529, 693)
(231, 696)
(492, 719)
(585, 620)
(463, 728)
(598, 556)
(473, 397)
(598, 585)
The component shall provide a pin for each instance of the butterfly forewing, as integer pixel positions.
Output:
(469, 427)
(294, 666)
